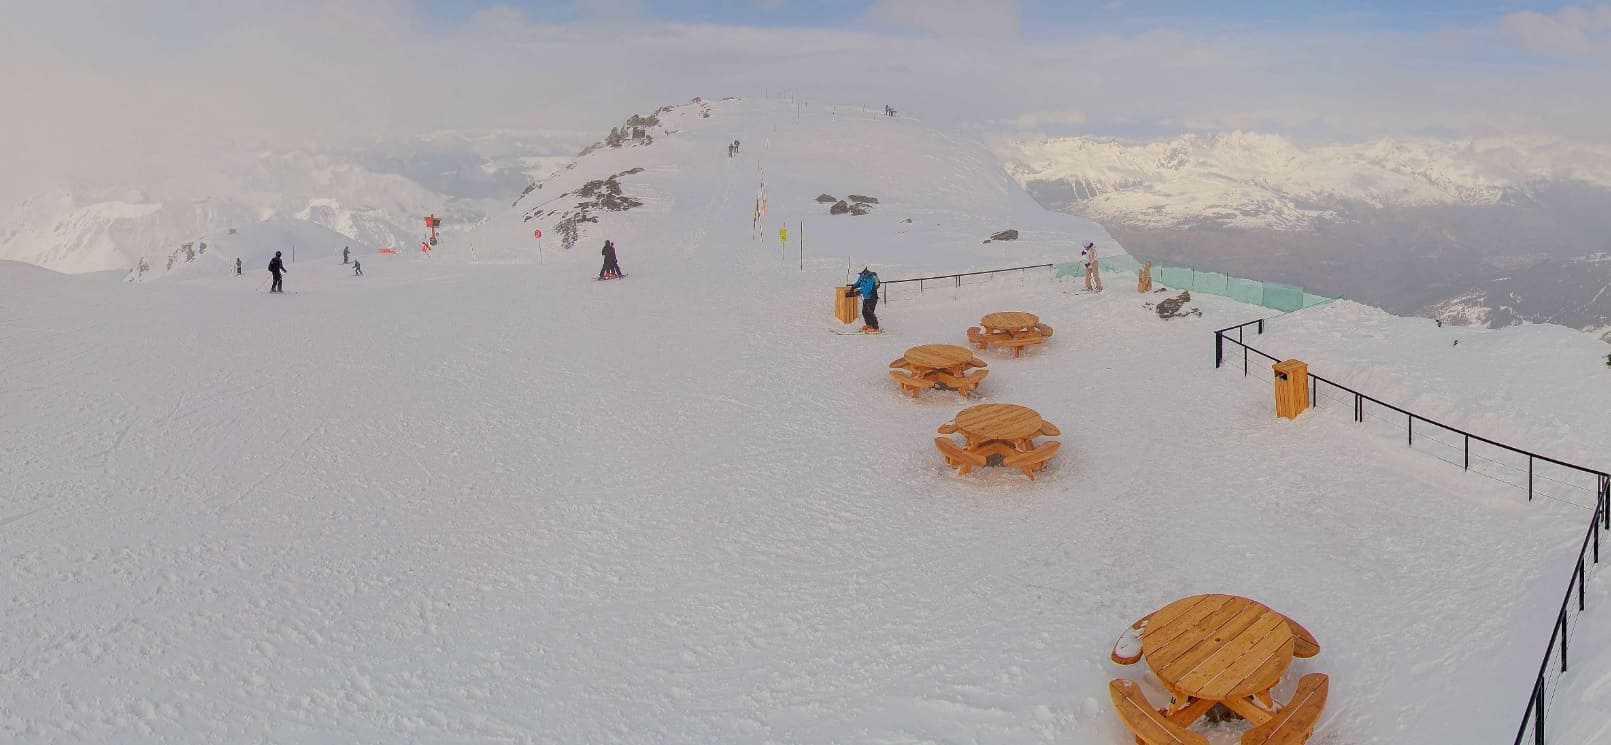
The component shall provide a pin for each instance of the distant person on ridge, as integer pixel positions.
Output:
(357, 269)
(867, 284)
(1093, 269)
(237, 266)
(344, 253)
(612, 268)
(276, 267)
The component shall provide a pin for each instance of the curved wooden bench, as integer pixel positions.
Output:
(1295, 722)
(963, 384)
(910, 384)
(1049, 429)
(976, 337)
(1127, 650)
(1044, 330)
(1033, 460)
(1017, 343)
(958, 458)
(976, 362)
(1306, 645)
(949, 428)
(899, 364)
(1145, 722)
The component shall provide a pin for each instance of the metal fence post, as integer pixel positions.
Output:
(1538, 712)
(1412, 430)
(1468, 452)
(1529, 477)
(1219, 349)
(1244, 360)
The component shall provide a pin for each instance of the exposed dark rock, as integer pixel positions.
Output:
(839, 208)
(1174, 307)
(859, 199)
(600, 194)
(826, 199)
(860, 209)
(1010, 234)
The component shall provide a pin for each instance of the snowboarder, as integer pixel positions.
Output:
(344, 253)
(1093, 269)
(276, 267)
(866, 284)
(357, 269)
(237, 266)
(612, 268)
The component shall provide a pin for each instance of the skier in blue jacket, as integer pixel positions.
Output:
(867, 284)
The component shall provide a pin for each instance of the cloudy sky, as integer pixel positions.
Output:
(115, 88)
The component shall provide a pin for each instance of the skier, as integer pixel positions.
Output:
(736, 147)
(867, 284)
(237, 266)
(612, 268)
(276, 267)
(357, 269)
(344, 253)
(1093, 269)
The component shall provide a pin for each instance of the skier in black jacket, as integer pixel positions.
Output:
(611, 267)
(276, 267)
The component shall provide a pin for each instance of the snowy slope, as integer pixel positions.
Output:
(951, 190)
(1252, 180)
(476, 501)
(214, 254)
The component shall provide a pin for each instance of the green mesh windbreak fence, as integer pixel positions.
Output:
(1246, 291)
(1273, 295)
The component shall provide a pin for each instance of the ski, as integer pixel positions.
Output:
(606, 279)
(836, 332)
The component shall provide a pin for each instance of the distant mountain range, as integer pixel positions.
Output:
(1494, 231)
(371, 195)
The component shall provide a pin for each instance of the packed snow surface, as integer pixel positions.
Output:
(466, 501)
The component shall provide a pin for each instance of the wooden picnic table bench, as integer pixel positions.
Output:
(1209, 650)
(1002, 430)
(925, 365)
(1011, 329)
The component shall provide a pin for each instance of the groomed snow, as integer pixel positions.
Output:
(473, 502)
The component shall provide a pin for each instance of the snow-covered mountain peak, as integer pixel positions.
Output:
(1258, 180)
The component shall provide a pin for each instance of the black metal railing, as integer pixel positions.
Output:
(1533, 717)
(953, 280)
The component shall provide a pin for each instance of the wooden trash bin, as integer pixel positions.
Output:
(846, 309)
(1291, 388)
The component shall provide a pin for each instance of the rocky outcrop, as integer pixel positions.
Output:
(1010, 234)
(826, 199)
(604, 195)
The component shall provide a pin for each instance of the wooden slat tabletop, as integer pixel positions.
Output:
(1217, 647)
(1010, 320)
(998, 422)
(939, 356)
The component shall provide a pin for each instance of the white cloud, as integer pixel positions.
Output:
(1572, 31)
(1038, 119)
(110, 92)
(1113, 4)
(987, 19)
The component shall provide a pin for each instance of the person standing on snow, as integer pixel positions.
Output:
(612, 268)
(237, 266)
(276, 267)
(344, 253)
(867, 285)
(1093, 269)
(357, 269)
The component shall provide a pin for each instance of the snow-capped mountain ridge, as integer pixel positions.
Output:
(1257, 180)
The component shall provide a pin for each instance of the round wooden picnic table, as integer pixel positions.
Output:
(1009, 422)
(939, 357)
(1009, 322)
(1221, 648)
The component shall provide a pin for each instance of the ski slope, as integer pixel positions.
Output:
(490, 500)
